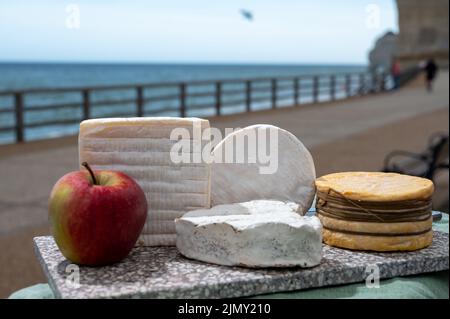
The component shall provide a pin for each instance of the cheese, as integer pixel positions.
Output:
(142, 149)
(286, 172)
(247, 208)
(255, 234)
(375, 211)
(377, 186)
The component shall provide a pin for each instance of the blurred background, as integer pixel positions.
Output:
(364, 84)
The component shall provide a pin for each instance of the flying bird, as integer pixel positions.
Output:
(246, 14)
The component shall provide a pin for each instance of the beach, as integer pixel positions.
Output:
(348, 135)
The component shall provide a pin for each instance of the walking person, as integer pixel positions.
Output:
(430, 74)
(395, 72)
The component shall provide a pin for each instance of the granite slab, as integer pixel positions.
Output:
(161, 272)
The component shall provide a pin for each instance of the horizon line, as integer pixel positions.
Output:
(222, 63)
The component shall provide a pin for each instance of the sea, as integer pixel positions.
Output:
(18, 76)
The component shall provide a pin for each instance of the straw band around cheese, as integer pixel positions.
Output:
(375, 211)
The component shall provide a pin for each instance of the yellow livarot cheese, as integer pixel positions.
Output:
(376, 186)
(394, 243)
(375, 211)
(142, 149)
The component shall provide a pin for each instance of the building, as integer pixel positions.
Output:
(423, 31)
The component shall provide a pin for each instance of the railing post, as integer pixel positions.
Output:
(86, 105)
(374, 82)
(361, 83)
(18, 109)
(218, 97)
(248, 96)
(139, 101)
(347, 84)
(332, 87)
(274, 93)
(182, 99)
(296, 87)
(315, 89)
(383, 81)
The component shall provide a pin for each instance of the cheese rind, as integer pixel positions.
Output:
(292, 178)
(254, 207)
(381, 243)
(376, 186)
(252, 237)
(142, 149)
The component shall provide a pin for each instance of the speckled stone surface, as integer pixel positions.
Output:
(161, 272)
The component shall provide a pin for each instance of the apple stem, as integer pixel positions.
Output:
(86, 165)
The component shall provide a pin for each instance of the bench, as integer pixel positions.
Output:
(424, 164)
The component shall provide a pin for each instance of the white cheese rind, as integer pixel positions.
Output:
(257, 238)
(141, 148)
(293, 180)
(254, 207)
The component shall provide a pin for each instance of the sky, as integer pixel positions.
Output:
(193, 31)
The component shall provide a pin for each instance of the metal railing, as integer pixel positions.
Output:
(45, 108)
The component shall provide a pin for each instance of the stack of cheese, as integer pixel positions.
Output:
(375, 211)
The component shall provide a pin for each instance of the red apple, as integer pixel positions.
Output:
(96, 217)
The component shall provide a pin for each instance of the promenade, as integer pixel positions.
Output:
(353, 134)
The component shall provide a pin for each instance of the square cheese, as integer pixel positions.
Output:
(142, 149)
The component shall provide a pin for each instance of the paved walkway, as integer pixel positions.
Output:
(318, 124)
(346, 135)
